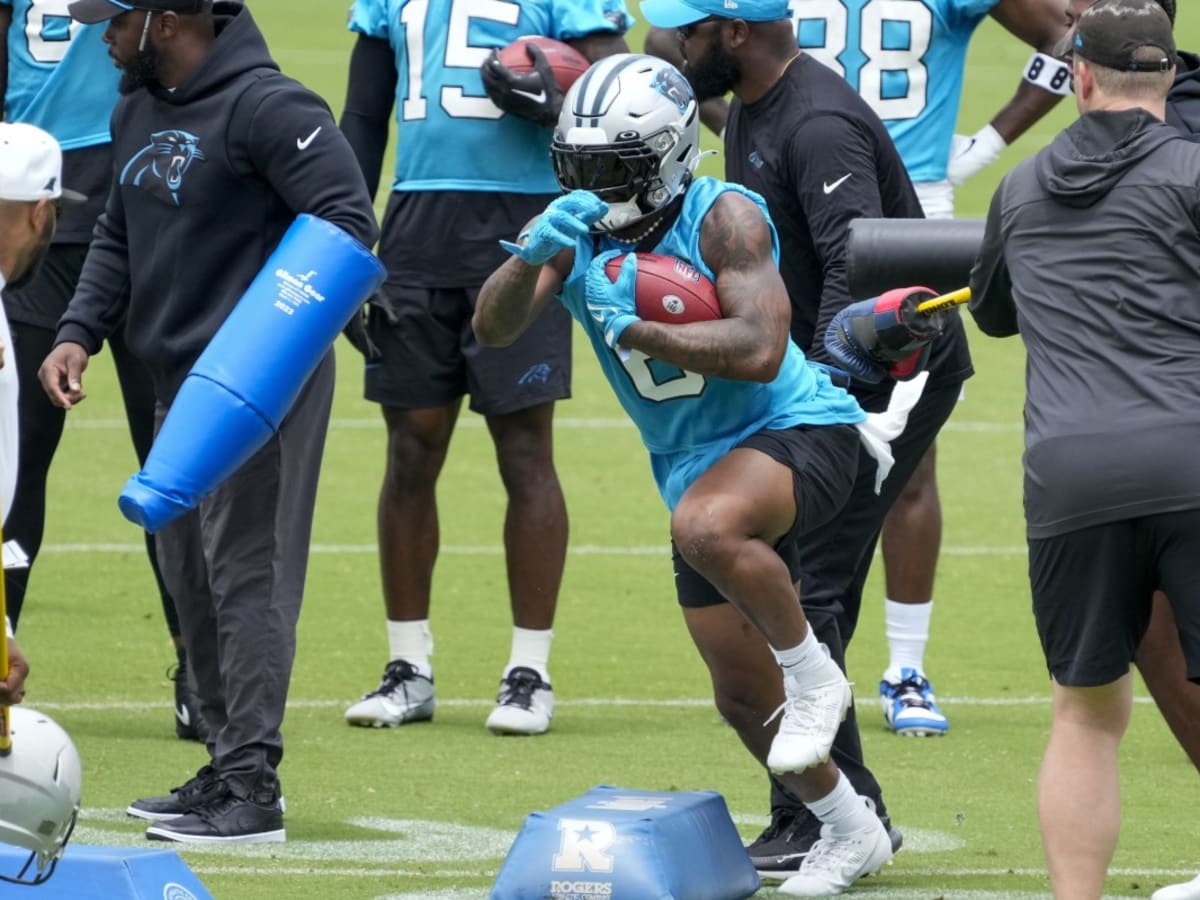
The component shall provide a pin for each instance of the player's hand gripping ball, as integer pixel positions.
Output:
(530, 77)
(670, 290)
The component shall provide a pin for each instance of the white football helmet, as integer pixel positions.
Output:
(40, 783)
(629, 132)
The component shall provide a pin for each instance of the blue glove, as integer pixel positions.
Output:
(612, 304)
(565, 221)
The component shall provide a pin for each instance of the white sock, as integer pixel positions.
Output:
(804, 661)
(412, 642)
(907, 633)
(843, 810)
(531, 648)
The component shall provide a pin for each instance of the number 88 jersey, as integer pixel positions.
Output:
(451, 136)
(60, 77)
(905, 58)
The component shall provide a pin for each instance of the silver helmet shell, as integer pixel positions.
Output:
(629, 131)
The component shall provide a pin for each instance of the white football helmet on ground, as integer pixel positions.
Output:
(629, 132)
(40, 784)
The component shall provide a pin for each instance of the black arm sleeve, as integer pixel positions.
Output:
(832, 165)
(992, 303)
(370, 96)
(101, 296)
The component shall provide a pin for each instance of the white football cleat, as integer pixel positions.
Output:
(525, 704)
(1189, 891)
(811, 716)
(404, 695)
(837, 861)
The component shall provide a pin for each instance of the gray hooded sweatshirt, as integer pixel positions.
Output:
(1092, 254)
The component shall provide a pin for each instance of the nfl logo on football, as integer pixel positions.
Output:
(687, 271)
(673, 304)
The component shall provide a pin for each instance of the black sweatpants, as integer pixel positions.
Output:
(834, 562)
(236, 567)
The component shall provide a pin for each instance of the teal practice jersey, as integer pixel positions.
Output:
(60, 76)
(689, 421)
(905, 58)
(451, 136)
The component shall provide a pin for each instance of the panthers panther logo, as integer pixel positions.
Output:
(674, 87)
(161, 166)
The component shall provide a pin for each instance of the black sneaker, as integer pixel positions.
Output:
(781, 848)
(189, 724)
(201, 787)
(226, 819)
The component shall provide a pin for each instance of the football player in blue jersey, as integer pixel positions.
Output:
(56, 74)
(751, 445)
(472, 167)
(907, 61)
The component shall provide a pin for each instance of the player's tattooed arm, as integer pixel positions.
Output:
(514, 295)
(750, 341)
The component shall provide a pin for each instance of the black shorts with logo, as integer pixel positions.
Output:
(823, 460)
(1093, 588)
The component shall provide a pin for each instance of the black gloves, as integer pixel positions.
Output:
(534, 95)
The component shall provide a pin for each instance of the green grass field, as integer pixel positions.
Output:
(429, 811)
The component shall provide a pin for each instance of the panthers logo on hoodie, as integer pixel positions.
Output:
(161, 166)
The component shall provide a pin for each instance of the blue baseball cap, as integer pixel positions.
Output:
(676, 13)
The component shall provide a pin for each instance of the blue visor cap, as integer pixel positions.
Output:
(677, 13)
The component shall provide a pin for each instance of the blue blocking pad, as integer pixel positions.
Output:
(242, 386)
(612, 843)
(113, 873)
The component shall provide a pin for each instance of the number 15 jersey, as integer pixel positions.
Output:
(451, 136)
(905, 58)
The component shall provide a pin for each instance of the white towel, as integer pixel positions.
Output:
(880, 429)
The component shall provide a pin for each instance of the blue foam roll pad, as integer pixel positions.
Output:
(618, 844)
(109, 873)
(243, 384)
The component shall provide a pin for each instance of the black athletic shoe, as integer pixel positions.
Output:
(189, 724)
(779, 850)
(226, 819)
(203, 786)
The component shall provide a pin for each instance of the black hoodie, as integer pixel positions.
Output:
(1183, 103)
(1092, 253)
(207, 178)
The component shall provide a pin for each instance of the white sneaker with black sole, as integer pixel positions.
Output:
(403, 696)
(525, 704)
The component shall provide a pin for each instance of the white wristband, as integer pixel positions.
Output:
(1049, 73)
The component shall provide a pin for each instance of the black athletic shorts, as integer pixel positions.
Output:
(1093, 589)
(823, 460)
(431, 358)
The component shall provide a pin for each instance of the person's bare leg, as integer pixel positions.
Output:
(1160, 660)
(911, 540)
(1079, 797)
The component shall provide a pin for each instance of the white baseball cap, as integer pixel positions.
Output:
(31, 165)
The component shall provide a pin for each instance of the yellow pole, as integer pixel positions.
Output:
(954, 298)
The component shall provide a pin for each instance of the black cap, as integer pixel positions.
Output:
(1117, 34)
(89, 12)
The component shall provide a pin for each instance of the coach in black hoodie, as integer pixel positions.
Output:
(215, 153)
(1091, 254)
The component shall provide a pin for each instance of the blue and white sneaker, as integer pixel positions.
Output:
(909, 706)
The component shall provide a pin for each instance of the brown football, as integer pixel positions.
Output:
(566, 62)
(670, 289)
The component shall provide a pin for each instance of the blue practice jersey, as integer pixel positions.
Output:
(689, 421)
(451, 136)
(60, 77)
(905, 58)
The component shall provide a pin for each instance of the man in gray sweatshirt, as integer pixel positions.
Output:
(1091, 255)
